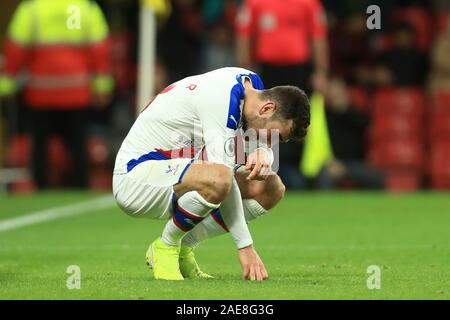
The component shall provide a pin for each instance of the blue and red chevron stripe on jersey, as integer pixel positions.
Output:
(187, 152)
(236, 95)
(160, 154)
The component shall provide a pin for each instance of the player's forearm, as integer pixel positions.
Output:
(233, 216)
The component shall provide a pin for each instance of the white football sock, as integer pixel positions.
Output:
(208, 228)
(189, 210)
(253, 209)
(213, 225)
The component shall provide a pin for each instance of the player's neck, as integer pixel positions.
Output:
(251, 96)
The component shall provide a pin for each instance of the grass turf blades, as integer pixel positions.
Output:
(314, 246)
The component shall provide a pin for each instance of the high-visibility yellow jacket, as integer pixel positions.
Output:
(317, 151)
(64, 47)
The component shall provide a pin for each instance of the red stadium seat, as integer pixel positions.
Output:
(443, 21)
(57, 153)
(440, 183)
(358, 98)
(402, 101)
(401, 161)
(122, 69)
(420, 20)
(97, 151)
(395, 126)
(440, 127)
(385, 42)
(440, 165)
(441, 102)
(18, 151)
(404, 154)
(401, 180)
(59, 161)
(23, 187)
(100, 179)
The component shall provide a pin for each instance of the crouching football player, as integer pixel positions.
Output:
(161, 171)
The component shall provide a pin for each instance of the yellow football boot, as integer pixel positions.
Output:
(163, 259)
(188, 265)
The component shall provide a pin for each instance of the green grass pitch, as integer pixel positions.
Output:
(314, 245)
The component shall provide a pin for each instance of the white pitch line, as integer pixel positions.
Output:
(57, 212)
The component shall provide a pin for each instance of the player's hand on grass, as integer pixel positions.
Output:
(258, 163)
(252, 265)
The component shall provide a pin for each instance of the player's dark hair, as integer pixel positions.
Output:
(292, 103)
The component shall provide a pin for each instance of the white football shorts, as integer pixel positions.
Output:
(147, 190)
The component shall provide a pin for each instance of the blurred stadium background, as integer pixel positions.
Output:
(382, 100)
(388, 94)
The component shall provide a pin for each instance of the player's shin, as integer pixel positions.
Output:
(253, 209)
(189, 211)
(213, 225)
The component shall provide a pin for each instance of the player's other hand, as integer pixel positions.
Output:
(252, 265)
(258, 163)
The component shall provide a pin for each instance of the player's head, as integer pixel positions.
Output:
(283, 108)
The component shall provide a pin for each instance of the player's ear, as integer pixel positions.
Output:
(268, 109)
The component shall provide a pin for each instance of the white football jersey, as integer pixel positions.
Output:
(196, 112)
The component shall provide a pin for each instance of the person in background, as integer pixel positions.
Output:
(218, 41)
(65, 51)
(287, 42)
(219, 50)
(440, 62)
(403, 64)
(347, 127)
(179, 40)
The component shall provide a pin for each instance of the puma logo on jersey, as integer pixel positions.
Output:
(234, 120)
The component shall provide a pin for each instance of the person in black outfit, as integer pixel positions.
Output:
(347, 127)
(71, 125)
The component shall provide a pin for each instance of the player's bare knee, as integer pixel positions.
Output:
(218, 183)
(280, 190)
(274, 192)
